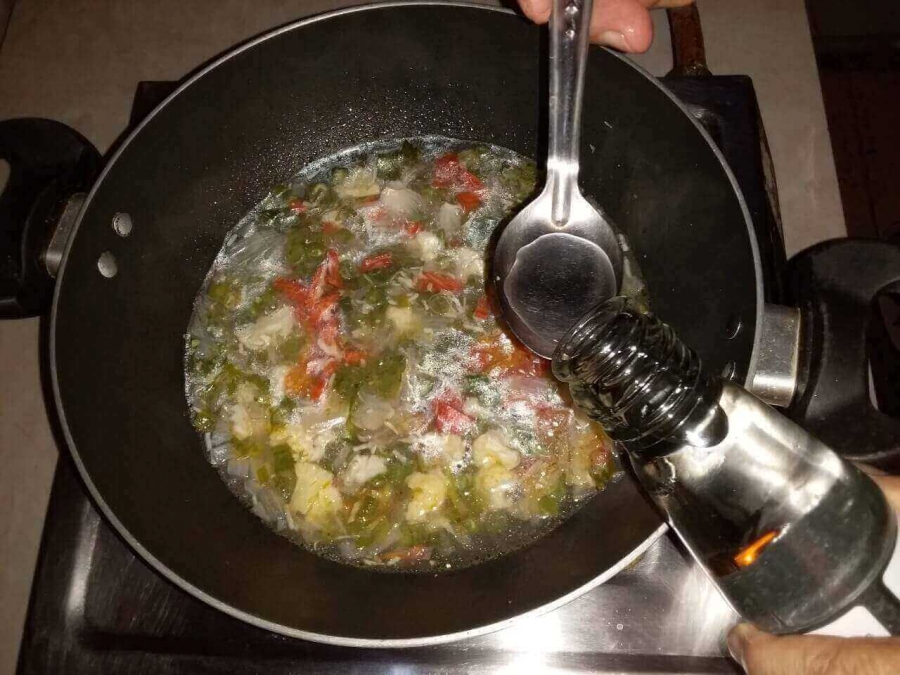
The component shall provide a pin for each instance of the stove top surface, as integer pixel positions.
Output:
(98, 608)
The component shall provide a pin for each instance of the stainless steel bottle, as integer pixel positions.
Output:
(794, 536)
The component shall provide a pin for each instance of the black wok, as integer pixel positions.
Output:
(207, 154)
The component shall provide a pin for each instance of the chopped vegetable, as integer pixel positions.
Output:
(433, 282)
(300, 382)
(448, 418)
(304, 249)
(449, 173)
(349, 375)
(417, 553)
(468, 200)
(377, 261)
(483, 308)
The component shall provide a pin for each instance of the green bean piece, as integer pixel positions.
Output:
(304, 250)
(282, 459)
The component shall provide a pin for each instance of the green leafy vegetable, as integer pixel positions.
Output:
(519, 179)
(390, 165)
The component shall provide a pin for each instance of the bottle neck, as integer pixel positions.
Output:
(629, 371)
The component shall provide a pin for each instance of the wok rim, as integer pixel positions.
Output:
(324, 638)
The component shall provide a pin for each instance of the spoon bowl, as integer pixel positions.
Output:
(546, 277)
(560, 255)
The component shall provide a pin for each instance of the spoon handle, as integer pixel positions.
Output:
(570, 22)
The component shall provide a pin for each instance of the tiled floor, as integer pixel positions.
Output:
(77, 61)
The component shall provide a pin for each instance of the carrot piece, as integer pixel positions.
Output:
(333, 269)
(483, 308)
(434, 282)
(417, 553)
(468, 200)
(376, 262)
(299, 382)
(293, 290)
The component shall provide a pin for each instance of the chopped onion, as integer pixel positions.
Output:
(359, 183)
(449, 219)
(371, 412)
(401, 202)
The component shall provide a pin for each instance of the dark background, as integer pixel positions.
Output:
(857, 47)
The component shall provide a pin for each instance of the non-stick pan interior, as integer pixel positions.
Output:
(210, 153)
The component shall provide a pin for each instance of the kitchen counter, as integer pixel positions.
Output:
(78, 61)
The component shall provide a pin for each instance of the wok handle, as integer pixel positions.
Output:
(688, 49)
(48, 163)
(835, 284)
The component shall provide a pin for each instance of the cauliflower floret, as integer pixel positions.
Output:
(304, 444)
(371, 412)
(359, 183)
(248, 418)
(361, 470)
(241, 425)
(425, 246)
(454, 448)
(578, 470)
(469, 263)
(401, 201)
(492, 448)
(496, 483)
(315, 487)
(276, 382)
(272, 327)
(405, 320)
(449, 219)
(315, 495)
(444, 449)
(495, 477)
(429, 493)
(334, 216)
(473, 408)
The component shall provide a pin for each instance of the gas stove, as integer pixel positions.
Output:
(96, 607)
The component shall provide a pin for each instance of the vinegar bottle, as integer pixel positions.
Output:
(796, 538)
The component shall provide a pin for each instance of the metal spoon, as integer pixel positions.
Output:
(559, 256)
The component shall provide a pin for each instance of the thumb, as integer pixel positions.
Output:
(763, 654)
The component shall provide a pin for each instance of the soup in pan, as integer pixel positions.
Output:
(351, 382)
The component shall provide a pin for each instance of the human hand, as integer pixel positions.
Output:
(763, 654)
(621, 24)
